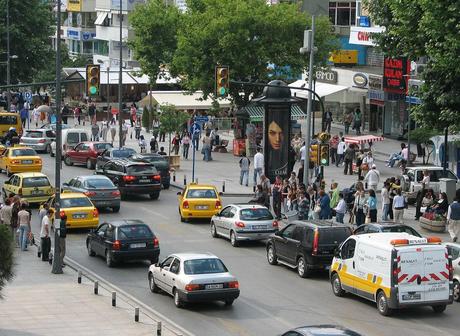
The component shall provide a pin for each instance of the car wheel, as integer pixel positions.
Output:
(213, 230)
(89, 164)
(233, 239)
(68, 161)
(155, 195)
(228, 302)
(456, 291)
(337, 286)
(91, 253)
(48, 149)
(439, 309)
(177, 300)
(382, 304)
(166, 186)
(109, 259)
(271, 255)
(116, 209)
(302, 268)
(152, 285)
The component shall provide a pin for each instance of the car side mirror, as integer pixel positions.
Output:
(166, 268)
(179, 193)
(278, 233)
(65, 184)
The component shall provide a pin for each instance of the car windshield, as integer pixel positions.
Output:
(141, 169)
(204, 266)
(123, 153)
(134, 231)
(98, 183)
(33, 134)
(23, 152)
(406, 229)
(75, 202)
(201, 193)
(255, 214)
(39, 181)
(102, 146)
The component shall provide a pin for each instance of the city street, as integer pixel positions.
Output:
(273, 298)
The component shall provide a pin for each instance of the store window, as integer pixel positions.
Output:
(88, 47)
(101, 47)
(342, 13)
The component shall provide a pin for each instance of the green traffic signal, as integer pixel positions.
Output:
(93, 90)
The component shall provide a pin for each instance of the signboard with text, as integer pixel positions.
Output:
(74, 5)
(395, 71)
(364, 35)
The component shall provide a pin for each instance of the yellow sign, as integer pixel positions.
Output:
(74, 5)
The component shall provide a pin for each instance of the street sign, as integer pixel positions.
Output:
(413, 100)
(28, 96)
(201, 118)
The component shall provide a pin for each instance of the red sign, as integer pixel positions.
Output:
(394, 72)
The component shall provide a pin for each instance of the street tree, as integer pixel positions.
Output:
(416, 28)
(172, 120)
(6, 256)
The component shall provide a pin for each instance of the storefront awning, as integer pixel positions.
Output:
(256, 113)
(100, 18)
(363, 139)
(322, 89)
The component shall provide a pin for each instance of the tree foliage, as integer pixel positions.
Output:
(429, 28)
(171, 119)
(6, 256)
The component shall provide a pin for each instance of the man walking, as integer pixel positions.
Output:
(45, 240)
(349, 157)
(327, 121)
(258, 165)
(341, 147)
(453, 218)
(398, 207)
(372, 178)
(244, 169)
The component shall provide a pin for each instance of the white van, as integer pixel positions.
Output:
(70, 138)
(395, 270)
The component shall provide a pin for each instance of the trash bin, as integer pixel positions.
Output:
(449, 186)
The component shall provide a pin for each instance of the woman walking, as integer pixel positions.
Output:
(358, 207)
(24, 226)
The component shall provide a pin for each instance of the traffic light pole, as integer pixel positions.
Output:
(120, 80)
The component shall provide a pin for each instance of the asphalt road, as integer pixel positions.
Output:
(273, 298)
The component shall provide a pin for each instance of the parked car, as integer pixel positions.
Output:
(160, 162)
(38, 139)
(123, 240)
(321, 330)
(242, 222)
(133, 177)
(33, 187)
(198, 201)
(100, 190)
(86, 153)
(70, 138)
(306, 245)
(194, 277)
(113, 153)
(386, 227)
(454, 251)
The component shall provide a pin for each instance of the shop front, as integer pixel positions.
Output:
(376, 98)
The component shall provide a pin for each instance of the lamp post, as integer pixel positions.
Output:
(120, 79)
(8, 71)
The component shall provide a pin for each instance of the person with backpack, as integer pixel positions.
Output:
(244, 169)
(349, 157)
(357, 116)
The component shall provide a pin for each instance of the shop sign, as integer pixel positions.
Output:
(394, 72)
(327, 76)
(73, 34)
(376, 95)
(74, 5)
(364, 35)
(86, 36)
(360, 80)
(375, 82)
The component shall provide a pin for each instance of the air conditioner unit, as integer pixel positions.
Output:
(417, 70)
(335, 29)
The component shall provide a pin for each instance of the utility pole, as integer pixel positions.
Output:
(309, 36)
(57, 262)
(120, 79)
(8, 73)
(108, 93)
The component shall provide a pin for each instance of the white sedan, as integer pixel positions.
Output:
(194, 277)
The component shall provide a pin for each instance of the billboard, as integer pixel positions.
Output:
(395, 71)
(74, 5)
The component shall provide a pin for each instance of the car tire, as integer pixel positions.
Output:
(228, 302)
(233, 240)
(439, 308)
(116, 209)
(155, 195)
(337, 285)
(68, 161)
(271, 255)
(91, 253)
(48, 149)
(456, 291)
(109, 259)
(89, 164)
(152, 285)
(302, 269)
(166, 186)
(213, 230)
(382, 304)
(177, 300)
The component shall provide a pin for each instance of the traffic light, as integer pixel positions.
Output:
(93, 79)
(324, 155)
(314, 154)
(222, 81)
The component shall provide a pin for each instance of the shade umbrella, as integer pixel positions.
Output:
(44, 109)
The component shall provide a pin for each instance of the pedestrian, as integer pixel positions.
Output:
(313, 195)
(372, 206)
(176, 143)
(36, 116)
(24, 114)
(94, 132)
(372, 178)
(293, 178)
(303, 154)
(327, 121)
(453, 218)
(333, 146)
(385, 194)
(291, 159)
(104, 129)
(347, 120)
(6, 212)
(24, 227)
(162, 151)
(368, 160)
(292, 197)
(132, 114)
(77, 115)
(258, 165)
(185, 145)
(284, 195)
(399, 204)
(65, 113)
(206, 149)
(124, 132)
(42, 212)
(195, 129)
(113, 130)
(266, 187)
(92, 113)
(45, 240)
(349, 157)
(153, 145)
(359, 163)
(340, 209)
(357, 121)
(296, 143)
(324, 202)
(358, 206)
(142, 144)
(277, 190)
(16, 207)
(421, 193)
(341, 147)
(244, 169)
(300, 173)
(137, 129)
(303, 206)
(260, 196)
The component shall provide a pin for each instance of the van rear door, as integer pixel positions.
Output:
(410, 273)
(436, 277)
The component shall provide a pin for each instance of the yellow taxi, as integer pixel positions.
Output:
(199, 201)
(33, 187)
(80, 211)
(20, 159)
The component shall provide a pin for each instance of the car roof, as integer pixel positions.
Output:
(31, 174)
(452, 244)
(123, 222)
(37, 130)
(200, 186)
(319, 223)
(383, 225)
(384, 238)
(426, 167)
(247, 206)
(20, 147)
(326, 329)
(72, 195)
(92, 177)
(128, 162)
(194, 255)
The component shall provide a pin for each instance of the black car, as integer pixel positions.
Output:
(306, 245)
(113, 153)
(133, 177)
(160, 162)
(122, 240)
(376, 227)
(321, 330)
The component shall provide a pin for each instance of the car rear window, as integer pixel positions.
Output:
(141, 169)
(23, 152)
(204, 266)
(33, 134)
(74, 138)
(201, 193)
(255, 214)
(406, 229)
(39, 181)
(75, 202)
(102, 146)
(331, 235)
(155, 158)
(134, 231)
(98, 183)
(123, 153)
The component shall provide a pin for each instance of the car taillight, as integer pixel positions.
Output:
(20, 191)
(233, 284)
(156, 178)
(218, 205)
(275, 224)
(38, 161)
(89, 193)
(315, 242)
(191, 287)
(15, 161)
(116, 245)
(95, 213)
(41, 141)
(185, 205)
(61, 213)
(240, 224)
(129, 178)
(156, 242)
(115, 193)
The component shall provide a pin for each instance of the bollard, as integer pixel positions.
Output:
(114, 299)
(185, 179)
(79, 277)
(96, 287)
(174, 176)
(136, 314)
(223, 186)
(159, 328)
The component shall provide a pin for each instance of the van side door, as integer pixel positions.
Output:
(348, 265)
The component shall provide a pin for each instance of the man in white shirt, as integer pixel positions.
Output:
(45, 241)
(303, 153)
(340, 151)
(340, 209)
(399, 204)
(372, 178)
(258, 165)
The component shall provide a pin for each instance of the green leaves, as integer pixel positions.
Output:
(171, 119)
(6, 256)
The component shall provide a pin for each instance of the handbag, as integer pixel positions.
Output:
(317, 208)
(367, 220)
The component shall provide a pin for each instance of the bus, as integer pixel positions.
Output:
(7, 120)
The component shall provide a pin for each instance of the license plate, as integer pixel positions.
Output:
(415, 296)
(79, 216)
(144, 181)
(137, 245)
(214, 286)
(37, 192)
(201, 207)
(259, 227)
(27, 161)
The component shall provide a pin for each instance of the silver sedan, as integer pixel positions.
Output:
(194, 277)
(38, 139)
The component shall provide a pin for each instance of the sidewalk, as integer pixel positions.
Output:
(37, 302)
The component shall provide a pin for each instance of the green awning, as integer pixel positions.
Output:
(256, 112)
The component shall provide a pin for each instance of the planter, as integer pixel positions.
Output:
(432, 225)
(174, 161)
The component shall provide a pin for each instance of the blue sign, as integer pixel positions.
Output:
(86, 36)
(195, 129)
(201, 118)
(413, 100)
(73, 34)
(364, 21)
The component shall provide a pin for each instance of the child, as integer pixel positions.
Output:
(142, 143)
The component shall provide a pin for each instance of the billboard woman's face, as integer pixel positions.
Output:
(275, 135)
